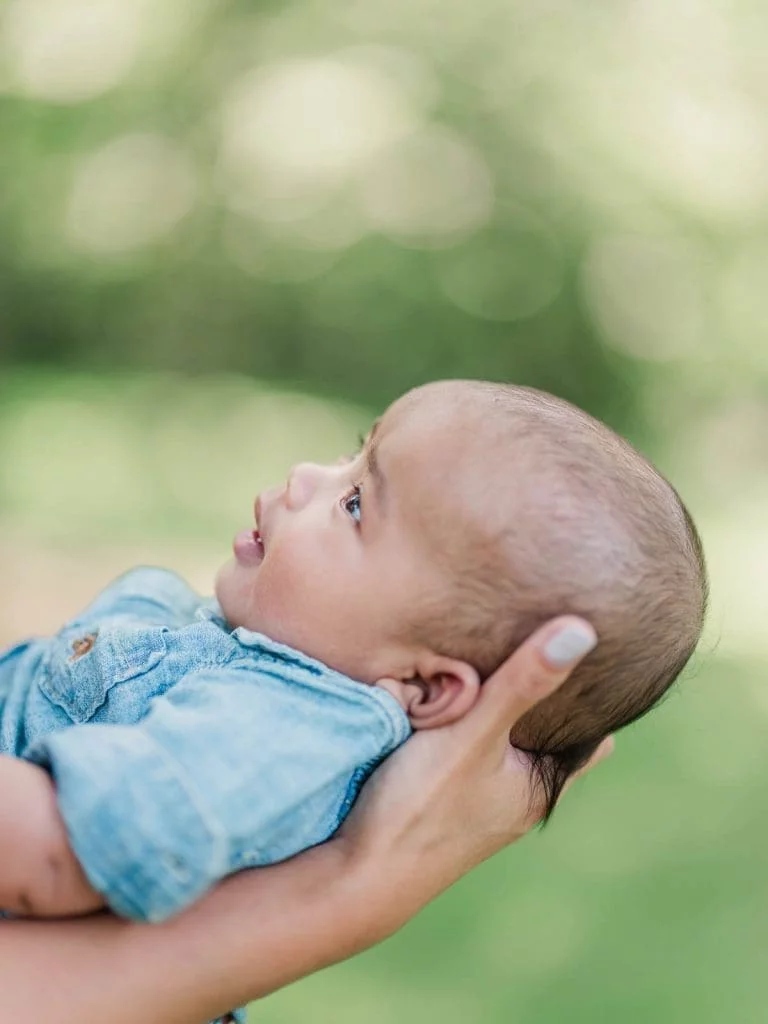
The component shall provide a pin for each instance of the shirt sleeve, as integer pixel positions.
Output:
(147, 594)
(229, 769)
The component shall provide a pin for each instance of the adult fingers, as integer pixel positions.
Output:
(535, 670)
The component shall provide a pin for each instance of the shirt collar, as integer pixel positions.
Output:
(210, 611)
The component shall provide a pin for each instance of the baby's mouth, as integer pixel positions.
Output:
(248, 548)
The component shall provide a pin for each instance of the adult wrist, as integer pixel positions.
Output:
(385, 887)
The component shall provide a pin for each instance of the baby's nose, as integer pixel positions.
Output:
(303, 482)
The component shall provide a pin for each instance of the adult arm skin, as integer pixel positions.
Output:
(449, 797)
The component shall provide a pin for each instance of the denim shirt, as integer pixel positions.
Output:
(183, 751)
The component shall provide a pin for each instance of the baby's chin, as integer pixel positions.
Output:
(233, 589)
(224, 578)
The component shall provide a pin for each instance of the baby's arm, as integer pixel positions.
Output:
(39, 874)
(226, 770)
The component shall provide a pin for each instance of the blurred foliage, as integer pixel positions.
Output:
(356, 197)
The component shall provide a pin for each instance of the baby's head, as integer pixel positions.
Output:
(474, 513)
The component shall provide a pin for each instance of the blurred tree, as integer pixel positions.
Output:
(355, 199)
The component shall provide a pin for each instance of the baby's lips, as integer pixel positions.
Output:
(248, 548)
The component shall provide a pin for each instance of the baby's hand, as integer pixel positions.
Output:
(39, 874)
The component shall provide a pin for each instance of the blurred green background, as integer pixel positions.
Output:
(230, 236)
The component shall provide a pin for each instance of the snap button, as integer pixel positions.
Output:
(82, 645)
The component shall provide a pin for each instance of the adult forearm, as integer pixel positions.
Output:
(256, 932)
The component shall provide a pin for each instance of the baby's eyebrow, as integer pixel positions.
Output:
(374, 469)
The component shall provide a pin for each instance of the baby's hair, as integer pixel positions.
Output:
(579, 523)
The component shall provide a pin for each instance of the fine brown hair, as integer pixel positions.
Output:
(586, 526)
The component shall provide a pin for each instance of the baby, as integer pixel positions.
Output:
(160, 742)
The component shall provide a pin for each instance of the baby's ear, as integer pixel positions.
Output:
(445, 690)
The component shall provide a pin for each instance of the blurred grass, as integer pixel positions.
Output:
(646, 898)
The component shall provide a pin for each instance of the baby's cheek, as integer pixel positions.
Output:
(289, 583)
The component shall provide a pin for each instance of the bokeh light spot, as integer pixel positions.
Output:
(67, 51)
(647, 295)
(428, 190)
(502, 276)
(262, 255)
(129, 193)
(743, 302)
(295, 130)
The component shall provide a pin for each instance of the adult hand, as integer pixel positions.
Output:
(451, 797)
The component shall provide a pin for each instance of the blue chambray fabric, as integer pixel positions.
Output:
(183, 751)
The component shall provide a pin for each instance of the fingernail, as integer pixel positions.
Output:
(569, 644)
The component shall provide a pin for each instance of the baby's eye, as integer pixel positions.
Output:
(351, 503)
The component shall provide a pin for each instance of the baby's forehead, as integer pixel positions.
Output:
(433, 396)
(486, 465)
(489, 425)
(433, 414)
(478, 460)
(425, 432)
(450, 472)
